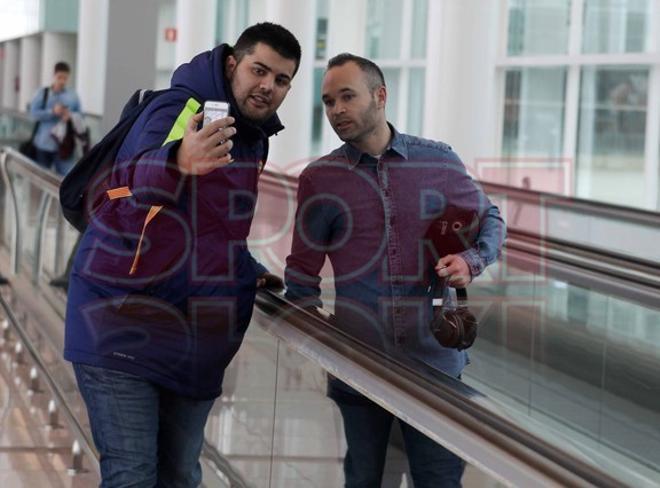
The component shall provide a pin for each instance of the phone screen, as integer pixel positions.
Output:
(214, 111)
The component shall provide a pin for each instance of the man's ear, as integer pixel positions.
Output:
(230, 65)
(381, 96)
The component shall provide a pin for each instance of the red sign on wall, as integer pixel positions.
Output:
(170, 34)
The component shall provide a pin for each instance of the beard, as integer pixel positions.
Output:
(256, 115)
(365, 125)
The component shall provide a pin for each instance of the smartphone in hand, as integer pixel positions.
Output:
(214, 110)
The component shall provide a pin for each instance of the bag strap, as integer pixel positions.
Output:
(43, 106)
(142, 94)
(462, 297)
(436, 291)
(45, 99)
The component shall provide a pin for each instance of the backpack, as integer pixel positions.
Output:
(75, 186)
(27, 148)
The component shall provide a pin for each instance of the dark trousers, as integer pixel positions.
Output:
(367, 428)
(146, 435)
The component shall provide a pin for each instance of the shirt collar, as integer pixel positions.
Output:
(397, 144)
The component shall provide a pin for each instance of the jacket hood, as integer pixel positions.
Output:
(204, 76)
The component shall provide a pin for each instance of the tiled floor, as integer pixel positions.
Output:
(32, 455)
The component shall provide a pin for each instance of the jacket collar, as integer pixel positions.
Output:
(397, 145)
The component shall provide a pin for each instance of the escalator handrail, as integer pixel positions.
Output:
(26, 117)
(573, 204)
(47, 180)
(610, 211)
(50, 182)
(614, 258)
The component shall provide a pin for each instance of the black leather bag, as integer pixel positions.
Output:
(454, 328)
(27, 148)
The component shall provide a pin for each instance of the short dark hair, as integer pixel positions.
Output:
(374, 74)
(62, 67)
(273, 35)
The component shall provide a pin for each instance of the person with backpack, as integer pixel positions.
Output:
(52, 106)
(163, 285)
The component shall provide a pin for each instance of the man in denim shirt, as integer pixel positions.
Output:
(61, 103)
(369, 206)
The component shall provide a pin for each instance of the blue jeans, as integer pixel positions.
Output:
(367, 429)
(146, 436)
(46, 159)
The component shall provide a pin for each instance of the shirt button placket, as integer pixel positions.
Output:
(393, 254)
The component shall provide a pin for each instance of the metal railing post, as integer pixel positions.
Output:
(16, 233)
(42, 218)
(76, 459)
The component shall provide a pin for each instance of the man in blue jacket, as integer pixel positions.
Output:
(397, 216)
(49, 106)
(163, 284)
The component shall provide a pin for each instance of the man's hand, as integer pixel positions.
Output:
(59, 109)
(200, 151)
(456, 269)
(270, 281)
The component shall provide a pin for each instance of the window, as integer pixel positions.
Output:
(611, 134)
(232, 17)
(165, 50)
(538, 27)
(615, 26)
(321, 55)
(534, 113)
(578, 85)
(318, 112)
(384, 29)
(396, 40)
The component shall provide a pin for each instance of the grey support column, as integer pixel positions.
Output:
(130, 55)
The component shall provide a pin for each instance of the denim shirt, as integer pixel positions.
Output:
(45, 116)
(383, 223)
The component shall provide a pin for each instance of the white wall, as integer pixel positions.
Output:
(347, 20)
(462, 94)
(12, 60)
(92, 54)
(195, 24)
(29, 69)
(293, 145)
(57, 47)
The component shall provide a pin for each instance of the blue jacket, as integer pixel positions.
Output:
(167, 294)
(45, 116)
(383, 225)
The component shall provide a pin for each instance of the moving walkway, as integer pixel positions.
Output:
(563, 388)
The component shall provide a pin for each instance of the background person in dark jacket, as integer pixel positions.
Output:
(163, 285)
(369, 206)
